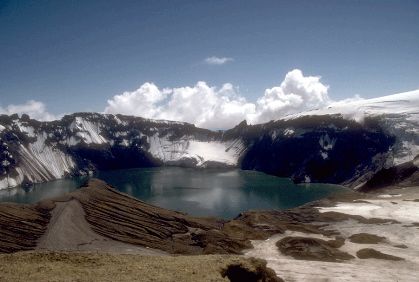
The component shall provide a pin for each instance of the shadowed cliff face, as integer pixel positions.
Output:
(319, 149)
(308, 149)
(406, 174)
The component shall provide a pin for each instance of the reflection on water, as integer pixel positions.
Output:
(208, 192)
(41, 191)
(213, 192)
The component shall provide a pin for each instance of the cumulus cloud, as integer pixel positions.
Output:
(35, 109)
(224, 107)
(142, 102)
(200, 104)
(217, 60)
(295, 94)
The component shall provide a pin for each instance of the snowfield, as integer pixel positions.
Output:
(401, 207)
(202, 152)
(400, 114)
(406, 104)
(89, 132)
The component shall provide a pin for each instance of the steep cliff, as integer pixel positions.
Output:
(326, 145)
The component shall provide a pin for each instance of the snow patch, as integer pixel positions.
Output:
(274, 134)
(119, 121)
(88, 131)
(326, 142)
(29, 130)
(188, 148)
(39, 163)
(406, 103)
(409, 151)
(125, 143)
(72, 141)
(356, 269)
(402, 211)
(121, 133)
(288, 132)
(389, 195)
(212, 151)
(399, 114)
(4, 183)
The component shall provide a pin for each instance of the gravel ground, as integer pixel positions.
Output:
(64, 266)
(68, 230)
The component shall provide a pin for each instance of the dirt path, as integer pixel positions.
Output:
(68, 230)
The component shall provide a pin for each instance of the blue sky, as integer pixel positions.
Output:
(75, 55)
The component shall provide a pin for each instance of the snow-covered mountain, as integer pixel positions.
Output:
(399, 114)
(346, 143)
(78, 144)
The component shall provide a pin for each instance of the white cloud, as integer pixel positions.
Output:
(142, 102)
(200, 104)
(209, 106)
(35, 109)
(217, 60)
(295, 94)
(224, 107)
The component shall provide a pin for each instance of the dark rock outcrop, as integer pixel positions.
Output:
(306, 248)
(374, 254)
(255, 270)
(405, 174)
(365, 238)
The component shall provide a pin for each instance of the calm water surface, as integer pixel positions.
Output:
(209, 192)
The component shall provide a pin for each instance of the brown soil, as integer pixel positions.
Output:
(365, 238)
(371, 253)
(123, 218)
(45, 266)
(69, 230)
(305, 248)
(21, 226)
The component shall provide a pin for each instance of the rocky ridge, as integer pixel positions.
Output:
(328, 149)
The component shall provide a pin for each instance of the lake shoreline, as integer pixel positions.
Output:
(122, 220)
(213, 192)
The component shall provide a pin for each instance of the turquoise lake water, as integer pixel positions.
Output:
(199, 192)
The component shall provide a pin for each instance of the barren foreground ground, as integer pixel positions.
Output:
(375, 239)
(42, 266)
(100, 234)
